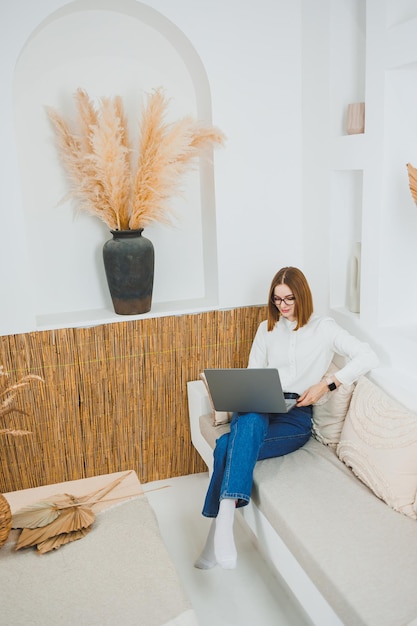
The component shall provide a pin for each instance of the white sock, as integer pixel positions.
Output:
(224, 541)
(207, 558)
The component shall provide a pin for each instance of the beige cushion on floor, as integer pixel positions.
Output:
(379, 443)
(120, 573)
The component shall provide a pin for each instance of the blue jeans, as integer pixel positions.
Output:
(252, 437)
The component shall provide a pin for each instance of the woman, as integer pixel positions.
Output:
(301, 345)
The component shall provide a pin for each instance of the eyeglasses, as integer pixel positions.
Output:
(288, 300)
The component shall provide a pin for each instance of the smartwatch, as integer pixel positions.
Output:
(330, 384)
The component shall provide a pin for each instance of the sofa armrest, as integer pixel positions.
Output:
(198, 405)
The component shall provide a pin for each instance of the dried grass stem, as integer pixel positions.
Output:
(8, 395)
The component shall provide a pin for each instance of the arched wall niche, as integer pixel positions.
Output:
(108, 47)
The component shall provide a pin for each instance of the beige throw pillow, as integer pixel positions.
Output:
(219, 417)
(379, 443)
(330, 412)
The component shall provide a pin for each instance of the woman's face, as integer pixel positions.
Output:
(284, 300)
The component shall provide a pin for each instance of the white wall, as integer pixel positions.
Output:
(251, 53)
(356, 187)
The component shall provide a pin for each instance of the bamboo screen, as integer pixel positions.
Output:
(115, 395)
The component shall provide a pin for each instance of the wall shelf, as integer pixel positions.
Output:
(95, 317)
(349, 152)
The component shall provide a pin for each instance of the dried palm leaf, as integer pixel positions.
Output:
(47, 522)
(59, 540)
(68, 520)
(35, 516)
(42, 513)
(46, 511)
(412, 176)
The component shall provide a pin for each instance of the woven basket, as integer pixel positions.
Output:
(5, 520)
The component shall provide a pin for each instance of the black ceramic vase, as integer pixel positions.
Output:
(129, 265)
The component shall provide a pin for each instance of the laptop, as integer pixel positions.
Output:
(247, 390)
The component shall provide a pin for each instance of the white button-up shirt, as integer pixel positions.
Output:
(302, 357)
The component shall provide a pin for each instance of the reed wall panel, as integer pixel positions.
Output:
(115, 395)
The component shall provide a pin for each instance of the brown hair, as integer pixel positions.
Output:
(298, 284)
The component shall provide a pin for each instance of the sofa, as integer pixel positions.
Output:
(337, 518)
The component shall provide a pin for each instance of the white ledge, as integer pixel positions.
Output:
(96, 317)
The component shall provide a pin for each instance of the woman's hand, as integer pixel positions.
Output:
(313, 394)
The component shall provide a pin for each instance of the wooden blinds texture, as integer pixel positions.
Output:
(115, 395)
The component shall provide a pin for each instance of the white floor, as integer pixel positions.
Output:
(250, 595)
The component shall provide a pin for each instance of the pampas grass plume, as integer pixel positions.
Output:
(107, 180)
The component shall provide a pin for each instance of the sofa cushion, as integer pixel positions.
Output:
(330, 412)
(356, 549)
(379, 443)
(209, 433)
(218, 417)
